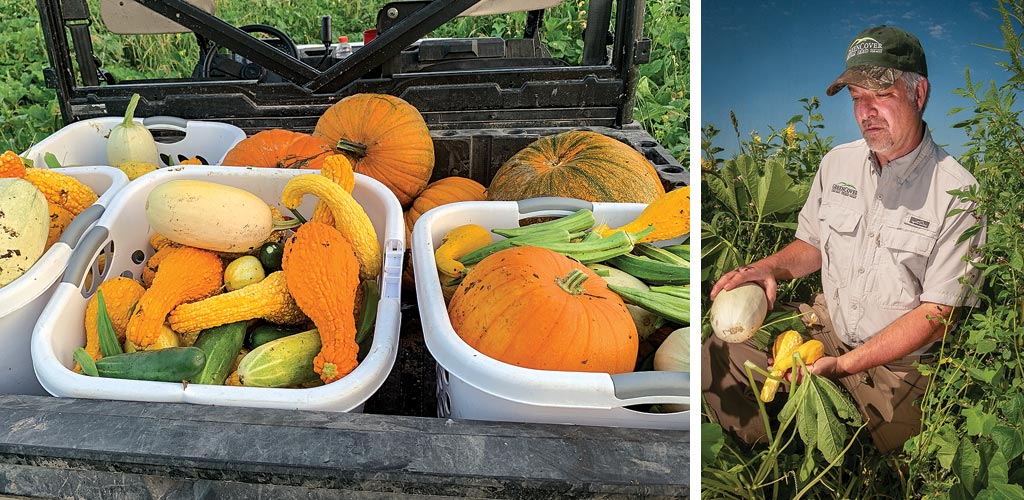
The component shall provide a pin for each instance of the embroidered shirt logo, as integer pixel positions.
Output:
(845, 189)
(918, 222)
(864, 45)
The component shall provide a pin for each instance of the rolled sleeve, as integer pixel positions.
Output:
(951, 264)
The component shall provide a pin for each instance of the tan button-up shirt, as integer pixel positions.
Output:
(885, 239)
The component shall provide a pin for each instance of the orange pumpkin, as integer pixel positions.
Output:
(385, 138)
(279, 148)
(577, 164)
(442, 192)
(535, 308)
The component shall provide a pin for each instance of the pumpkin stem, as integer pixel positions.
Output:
(573, 283)
(352, 147)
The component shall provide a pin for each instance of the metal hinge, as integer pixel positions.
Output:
(642, 52)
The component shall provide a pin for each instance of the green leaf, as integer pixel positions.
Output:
(985, 346)
(1016, 260)
(947, 444)
(844, 408)
(776, 191)
(711, 440)
(831, 434)
(109, 345)
(979, 422)
(723, 193)
(51, 160)
(965, 466)
(1009, 440)
(982, 374)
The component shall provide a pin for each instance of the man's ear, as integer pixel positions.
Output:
(921, 94)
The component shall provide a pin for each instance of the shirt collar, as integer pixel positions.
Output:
(905, 165)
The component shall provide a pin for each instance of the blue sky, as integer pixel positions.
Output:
(760, 58)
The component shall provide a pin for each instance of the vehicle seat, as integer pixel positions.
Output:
(128, 17)
(490, 7)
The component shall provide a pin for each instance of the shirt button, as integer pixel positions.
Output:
(871, 235)
(854, 307)
(878, 197)
(861, 270)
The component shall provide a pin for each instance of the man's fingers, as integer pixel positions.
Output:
(770, 290)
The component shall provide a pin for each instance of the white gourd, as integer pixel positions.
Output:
(737, 314)
(673, 355)
(130, 141)
(646, 321)
(209, 215)
(24, 227)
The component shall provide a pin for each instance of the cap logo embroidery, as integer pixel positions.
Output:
(864, 45)
(845, 189)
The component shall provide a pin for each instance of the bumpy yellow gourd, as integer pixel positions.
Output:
(119, 295)
(350, 218)
(269, 299)
(338, 169)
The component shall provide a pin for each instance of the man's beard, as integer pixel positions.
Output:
(881, 140)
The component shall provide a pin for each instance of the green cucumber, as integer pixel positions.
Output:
(221, 345)
(270, 255)
(268, 331)
(284, 362)
(173, 364)
(367, 317)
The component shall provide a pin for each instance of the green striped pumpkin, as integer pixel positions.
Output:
(577, 164)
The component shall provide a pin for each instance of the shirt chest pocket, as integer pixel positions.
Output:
(841, 228)
(901, 262)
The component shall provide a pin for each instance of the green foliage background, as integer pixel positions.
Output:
(29, 111)
(972, 439)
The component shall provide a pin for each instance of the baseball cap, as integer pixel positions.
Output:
(877, 58)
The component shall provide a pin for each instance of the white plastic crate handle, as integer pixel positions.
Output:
(549, 203)
(79, 224)
(646, 384)
(165, 121)
(81, 259)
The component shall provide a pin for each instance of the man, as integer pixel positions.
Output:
(875, 224)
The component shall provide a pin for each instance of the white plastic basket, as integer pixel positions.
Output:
(22, 300)
(85, 142)
(474, 386)
(122, 235)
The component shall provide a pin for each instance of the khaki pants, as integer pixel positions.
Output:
(886, 395)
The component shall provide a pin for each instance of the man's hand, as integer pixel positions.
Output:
(828, 367)
(754, 273)
(796, 260)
